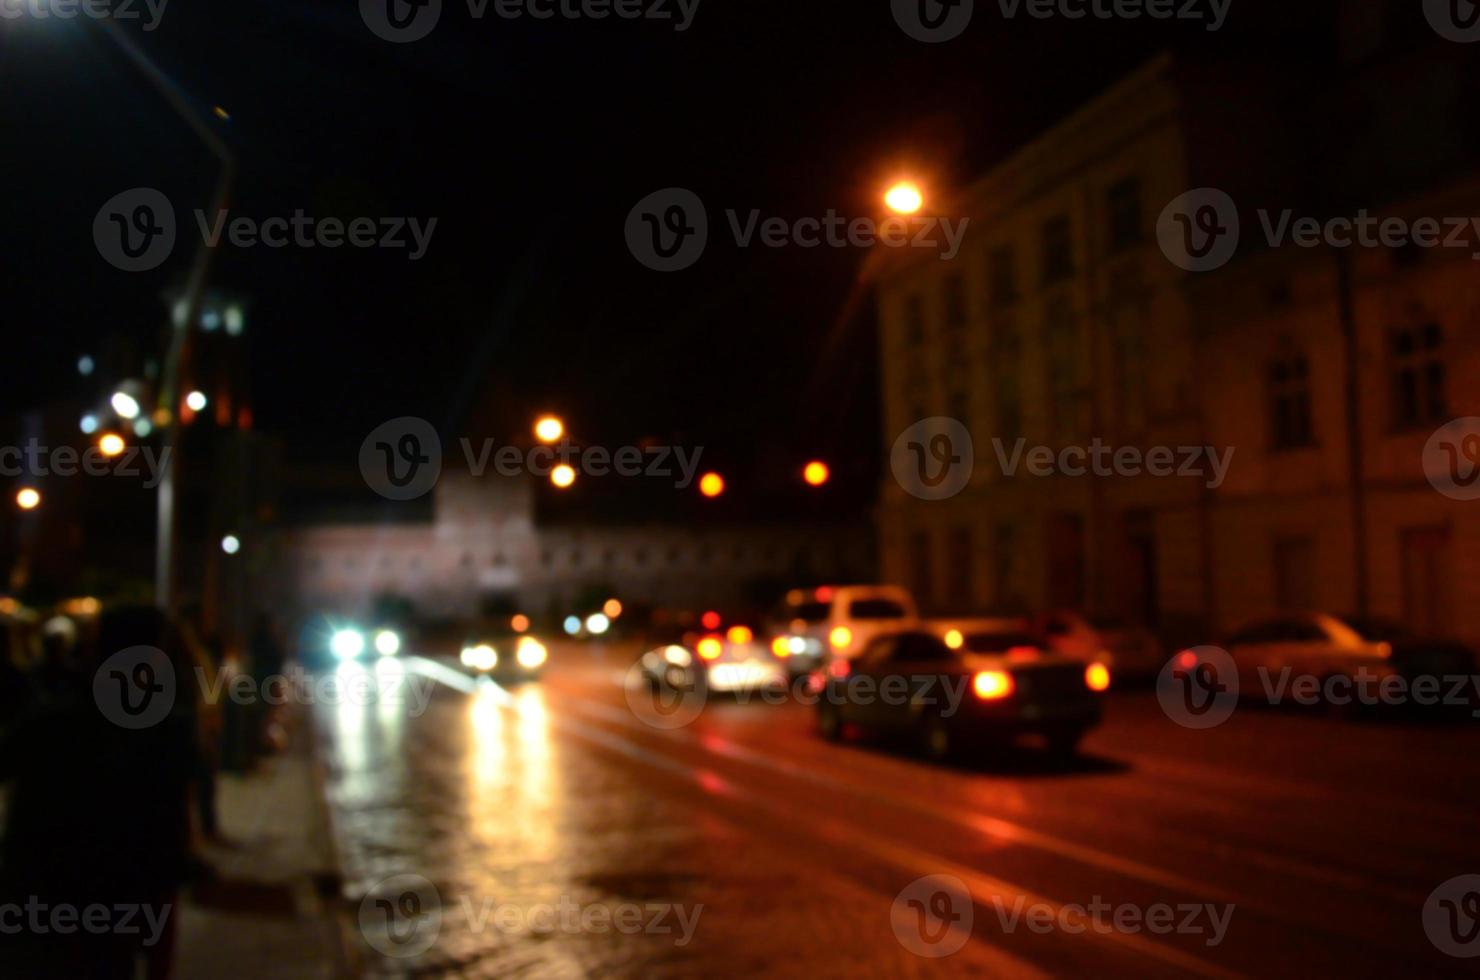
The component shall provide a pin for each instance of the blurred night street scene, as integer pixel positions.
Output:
(703, 488)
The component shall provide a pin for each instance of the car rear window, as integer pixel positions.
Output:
(810, 612)
(875, 609)
(999, 642)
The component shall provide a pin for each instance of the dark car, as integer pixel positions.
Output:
(950, 701)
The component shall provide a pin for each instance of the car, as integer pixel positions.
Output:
(814, 625)
(1006, 688)
(1129, 651)
(731, 661)
(1326, 646)
(349, 643)
(498, 651)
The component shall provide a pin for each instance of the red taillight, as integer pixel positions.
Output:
(1097, 677)
(838, 668)
(993, 685)
(1187, 660)
(1023, 653)
(710, 620)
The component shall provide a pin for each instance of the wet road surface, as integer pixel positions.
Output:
(558, 834)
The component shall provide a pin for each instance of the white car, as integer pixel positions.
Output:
(838, 621)
(720, 662)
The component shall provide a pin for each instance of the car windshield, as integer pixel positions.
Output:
(875, 609)
(1378, 630)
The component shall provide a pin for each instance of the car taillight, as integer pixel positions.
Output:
(954, 639)
(739, 635)
(840, 637)
(710, 647)
(993, 685)
(781, 647)
(838, 668)
(1097, 677)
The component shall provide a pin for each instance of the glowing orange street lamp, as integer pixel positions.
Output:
(563, 476)
(549, 428)
(904, 198)
(816, 473)
(111, 444)
(28, 498)
(711, 484)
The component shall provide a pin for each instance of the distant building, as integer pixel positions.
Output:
(1061, 322)
(483, 547)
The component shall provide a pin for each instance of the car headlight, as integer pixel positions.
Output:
(387, 643)
(531, 653)
(347, 644)
(480, 657)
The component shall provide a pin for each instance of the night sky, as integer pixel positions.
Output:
(530, 142)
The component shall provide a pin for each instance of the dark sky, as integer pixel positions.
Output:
(529, 142)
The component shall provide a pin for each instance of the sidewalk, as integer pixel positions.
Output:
(271, 912)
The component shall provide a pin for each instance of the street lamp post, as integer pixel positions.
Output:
(164, 541)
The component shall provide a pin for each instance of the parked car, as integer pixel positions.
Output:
(961, 701)
(1324, 646)
(1131, 652)
(730, 661)
(813, 625)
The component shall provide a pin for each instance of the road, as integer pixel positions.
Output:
(1276, 844)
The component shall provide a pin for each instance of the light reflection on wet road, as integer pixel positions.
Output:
(790, 851)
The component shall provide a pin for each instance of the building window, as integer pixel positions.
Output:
(1128, 316)
(1123, 206)
(955, 301)
(961, 565)
(1068, 397)
(1418, 377)
(1058, 249)
(921, 579)
(1004, 561)
(1289, 383)
(1007, 350)
(1002, 276)
(914, 321)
